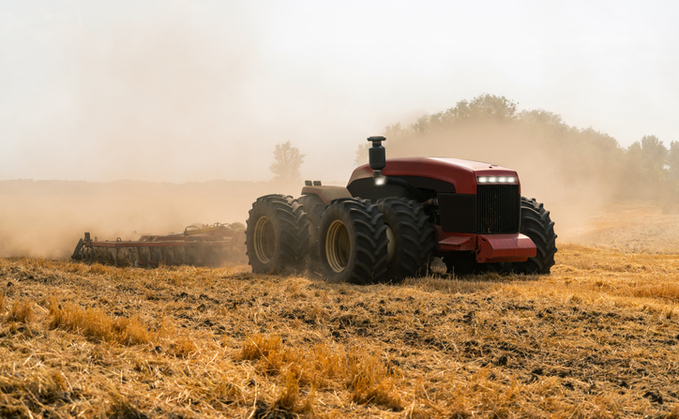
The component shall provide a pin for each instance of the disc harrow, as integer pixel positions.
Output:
(198, 245)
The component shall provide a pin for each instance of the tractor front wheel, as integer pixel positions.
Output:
(536, 224)
(277, 235)
(353, 242)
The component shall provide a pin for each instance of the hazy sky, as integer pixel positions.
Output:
(200, 90)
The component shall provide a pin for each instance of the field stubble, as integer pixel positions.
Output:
(597, 338)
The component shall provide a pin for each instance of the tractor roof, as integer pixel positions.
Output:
(461, 173)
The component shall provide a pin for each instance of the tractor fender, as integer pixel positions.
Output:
(327, 193)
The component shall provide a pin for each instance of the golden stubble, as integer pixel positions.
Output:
(597, 337)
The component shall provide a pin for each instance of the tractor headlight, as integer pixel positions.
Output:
(496, 179)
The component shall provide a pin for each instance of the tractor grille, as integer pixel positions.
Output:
(498, 209)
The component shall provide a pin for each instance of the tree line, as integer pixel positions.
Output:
(489, 128)
(550, 155)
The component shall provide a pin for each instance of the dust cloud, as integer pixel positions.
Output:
(46, 218)
(154, 98)
(542, 173)
(168, 101)
(582, 185)
(159, 102)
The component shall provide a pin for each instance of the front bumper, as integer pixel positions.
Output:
(489, 248)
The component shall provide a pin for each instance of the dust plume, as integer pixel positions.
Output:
(159, 97)
(169, 100)
(581, 175)
(46, 218)
(160, 101)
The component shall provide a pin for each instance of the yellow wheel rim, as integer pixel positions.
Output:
(265, 239)
(337, 246)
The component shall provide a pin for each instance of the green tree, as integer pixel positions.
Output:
(673, 160)
(362, 153)
(654, 151)
(287, 162)
(646, 167)
(486, 106)
(480, 110)
(650, 154)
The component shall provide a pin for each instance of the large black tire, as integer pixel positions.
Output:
(353, 242)
(411, 238)
(313, 207)
(277, 235)
(536, 224)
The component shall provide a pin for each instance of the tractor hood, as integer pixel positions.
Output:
(462, 174)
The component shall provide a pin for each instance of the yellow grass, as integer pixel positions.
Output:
(22, 311)
(597, 338)
(96, 324)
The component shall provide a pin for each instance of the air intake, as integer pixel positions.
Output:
(498, 209)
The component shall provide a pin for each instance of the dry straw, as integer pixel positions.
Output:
(597, 338)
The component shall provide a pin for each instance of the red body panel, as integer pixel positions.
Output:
(515, 247)
(504, 248)
(461, 173)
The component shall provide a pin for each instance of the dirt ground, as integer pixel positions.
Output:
(628, 227)
(596, 338)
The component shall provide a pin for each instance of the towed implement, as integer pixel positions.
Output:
(198, 245)
(395, 214)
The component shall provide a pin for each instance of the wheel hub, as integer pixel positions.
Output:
(338, 246)
(265, 239)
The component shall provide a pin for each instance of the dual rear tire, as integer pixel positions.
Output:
(356, 241)
(352, 242)
(349, 240)
(361, 242)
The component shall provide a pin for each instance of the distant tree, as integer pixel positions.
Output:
(650, 152)
(486, 106)
(673, 160)
(646, 167)
(490, 127)
(655, 151)
(394, 132)
(362, 153)
(482, 109)
(543, 119)
(287, 162)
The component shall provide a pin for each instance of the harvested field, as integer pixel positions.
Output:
(597, 338)
(628, 227)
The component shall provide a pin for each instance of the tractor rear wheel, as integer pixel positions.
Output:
(411, 238)
(536, 224)
(277, 235)
(352, 242)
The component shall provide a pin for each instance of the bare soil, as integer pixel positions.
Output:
(599, 337)
(628, 227)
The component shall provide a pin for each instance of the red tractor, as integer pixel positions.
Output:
(394, 215)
